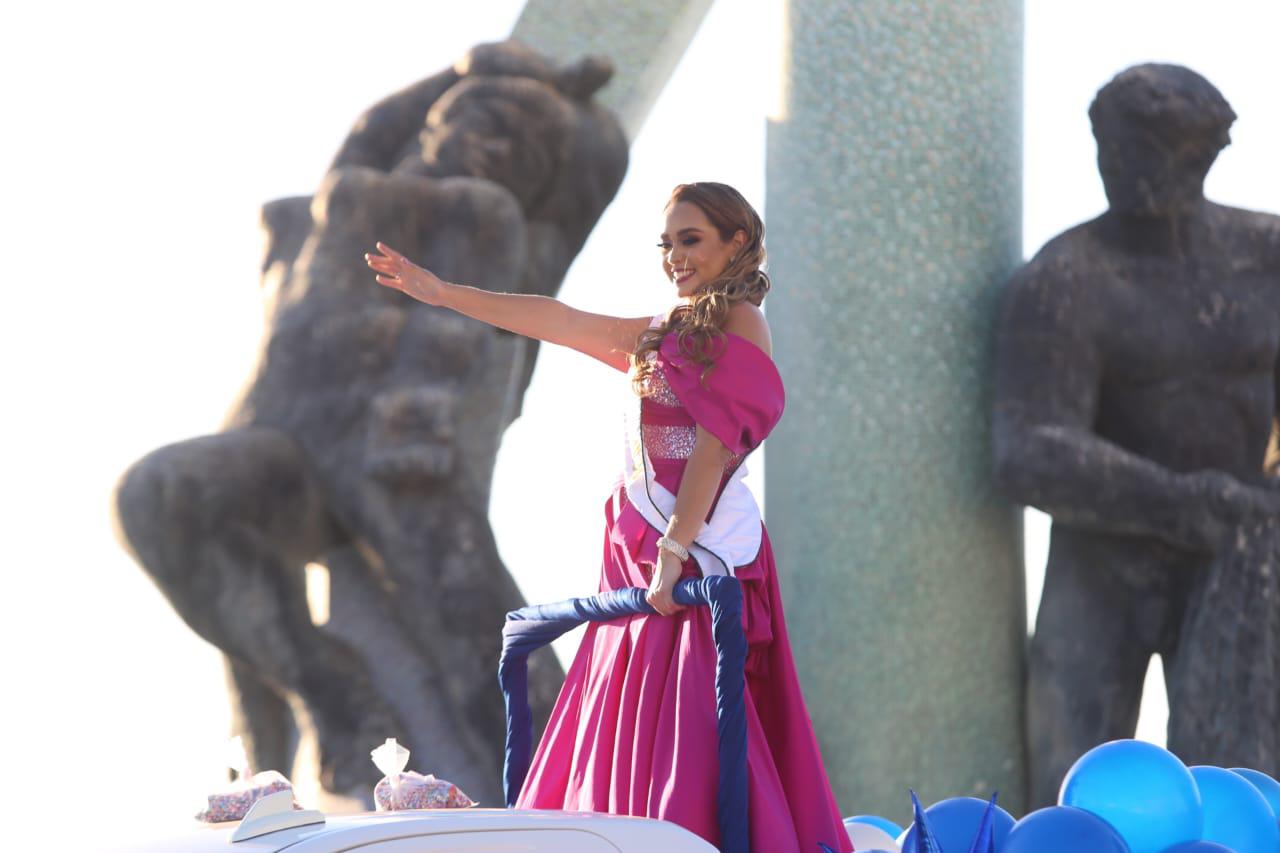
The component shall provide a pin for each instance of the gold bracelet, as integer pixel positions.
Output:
(666, 543)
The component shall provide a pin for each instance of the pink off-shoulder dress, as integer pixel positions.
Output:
(634, 729)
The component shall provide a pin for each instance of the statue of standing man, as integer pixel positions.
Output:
(1136, 393)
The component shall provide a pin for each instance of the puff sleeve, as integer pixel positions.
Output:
(741, 398)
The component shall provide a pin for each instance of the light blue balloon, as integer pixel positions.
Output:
(1063, 829)
(1269, 787)
(1142, 790)
(889, 827)
(1236, 815)
(1198, 847)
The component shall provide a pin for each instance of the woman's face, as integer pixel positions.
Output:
(692, 252)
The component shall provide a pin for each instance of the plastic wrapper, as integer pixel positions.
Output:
(415, 791)
(234, 802)
(401, 789)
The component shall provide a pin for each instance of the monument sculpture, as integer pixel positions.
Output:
(1135, 399)
(366, 440)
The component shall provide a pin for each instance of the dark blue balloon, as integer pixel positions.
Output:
(887, 826)
(955, 822)
(1198, 847)
(1143, 791)
(1269, 787)
(1236, 815)
(1063, 829)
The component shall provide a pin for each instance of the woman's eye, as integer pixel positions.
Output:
(690, 241)
(664, 246)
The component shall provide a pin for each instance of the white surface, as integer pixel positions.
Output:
(273, 813)
(451, 829)
(143, 138)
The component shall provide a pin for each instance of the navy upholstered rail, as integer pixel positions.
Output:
(533, 627)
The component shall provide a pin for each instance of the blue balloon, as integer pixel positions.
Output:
(1198, 847)
(1269, 787)
(955, 822)
(1143, 791)
(889, 827)
(1063, 829)
(1236, 815)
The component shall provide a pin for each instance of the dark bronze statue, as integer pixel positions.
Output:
(1136, 392)
(366, 440)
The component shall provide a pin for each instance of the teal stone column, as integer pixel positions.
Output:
(644, 40)
(894, 214)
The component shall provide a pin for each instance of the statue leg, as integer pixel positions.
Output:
(224, 525)
(1086, 666)
(260, 714)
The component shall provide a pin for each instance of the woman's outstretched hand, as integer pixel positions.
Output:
(396, 271)
(663, 584)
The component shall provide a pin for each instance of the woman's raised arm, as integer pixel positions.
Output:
(609, 339)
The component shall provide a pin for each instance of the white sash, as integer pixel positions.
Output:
(729, 539)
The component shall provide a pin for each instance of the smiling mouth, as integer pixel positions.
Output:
(681, 276)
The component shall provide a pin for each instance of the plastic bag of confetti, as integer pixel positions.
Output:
(415, 791)
(234, 802)
(401, 789)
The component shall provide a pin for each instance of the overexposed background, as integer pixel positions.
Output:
(143, 137)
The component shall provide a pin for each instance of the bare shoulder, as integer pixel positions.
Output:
(1254, 234)
(747, 321)
(1062, 278)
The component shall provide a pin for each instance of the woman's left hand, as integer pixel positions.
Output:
(664, 583)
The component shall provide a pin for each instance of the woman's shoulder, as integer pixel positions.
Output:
(747, 321)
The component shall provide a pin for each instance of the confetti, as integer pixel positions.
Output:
(235, 802)
(416, 791)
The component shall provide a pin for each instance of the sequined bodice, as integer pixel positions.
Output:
(666, 427)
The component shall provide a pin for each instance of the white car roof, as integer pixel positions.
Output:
(345, 832)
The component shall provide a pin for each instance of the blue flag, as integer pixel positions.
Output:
(985, 840)
(924, 840)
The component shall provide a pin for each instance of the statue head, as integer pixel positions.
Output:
(1159, 128)
(516, 119)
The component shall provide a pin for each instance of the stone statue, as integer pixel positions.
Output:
(366, 440)
(1135, 397)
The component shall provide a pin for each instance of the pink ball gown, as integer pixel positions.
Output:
(634, 729)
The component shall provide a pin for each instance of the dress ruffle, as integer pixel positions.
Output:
(739, 400)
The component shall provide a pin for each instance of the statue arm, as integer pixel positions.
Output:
(380, 135)
(285, 223)
(1047, 455)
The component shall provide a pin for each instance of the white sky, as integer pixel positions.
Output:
(143, 137)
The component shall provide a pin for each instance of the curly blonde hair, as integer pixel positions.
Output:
(699, 324)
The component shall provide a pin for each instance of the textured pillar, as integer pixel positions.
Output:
(643, 40)
(894, 211)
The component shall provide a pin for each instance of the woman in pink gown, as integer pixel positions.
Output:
(634, 729)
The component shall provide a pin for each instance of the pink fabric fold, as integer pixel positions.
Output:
(739, 400)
